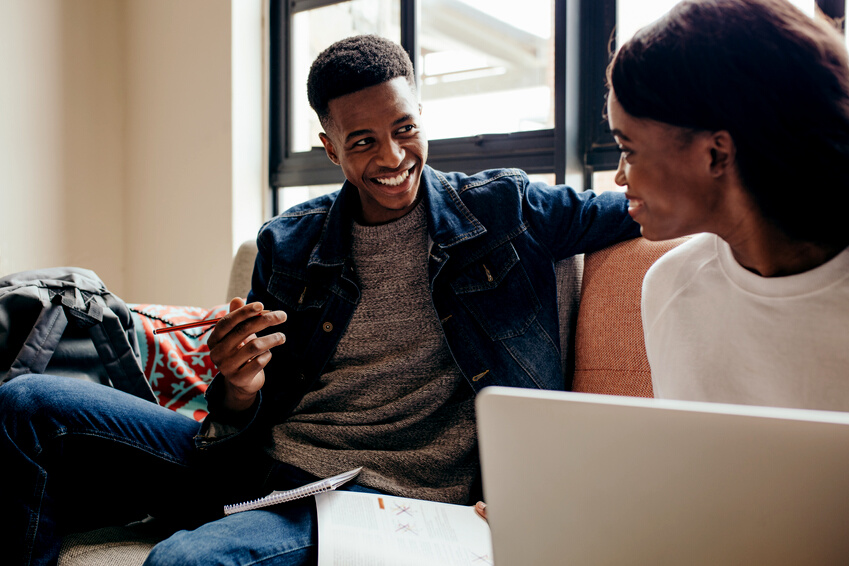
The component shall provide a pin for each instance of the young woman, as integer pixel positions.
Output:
(733, 121)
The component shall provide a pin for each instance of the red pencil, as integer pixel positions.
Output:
(208, 322)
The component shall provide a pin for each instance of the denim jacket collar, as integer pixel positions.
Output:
(449, 220)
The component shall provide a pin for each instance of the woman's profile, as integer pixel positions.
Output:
(732, 117)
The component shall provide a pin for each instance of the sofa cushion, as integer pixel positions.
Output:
(177, 364)
(109, 546)
(610, 353)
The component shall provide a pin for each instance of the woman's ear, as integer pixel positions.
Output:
(722, 152)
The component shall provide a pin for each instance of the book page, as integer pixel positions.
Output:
(364, 529)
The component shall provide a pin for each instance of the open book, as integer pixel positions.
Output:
(275, 497)
(367, 529)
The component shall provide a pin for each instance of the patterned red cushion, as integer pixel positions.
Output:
(177, 364)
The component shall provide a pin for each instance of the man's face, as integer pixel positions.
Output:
(375, 135)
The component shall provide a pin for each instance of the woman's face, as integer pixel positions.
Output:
(668, 175)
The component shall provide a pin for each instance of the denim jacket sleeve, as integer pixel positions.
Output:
(573, 223)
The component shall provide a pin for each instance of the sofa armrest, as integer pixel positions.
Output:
(241, 271)
(610, 352)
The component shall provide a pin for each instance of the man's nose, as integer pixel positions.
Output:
(391, 154)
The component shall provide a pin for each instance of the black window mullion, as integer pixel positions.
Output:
(537, 152)
(836, 10)
(409, 30)
(599, 22)
(559, 158)
(304, 5)
(279, 20)
(531, 151)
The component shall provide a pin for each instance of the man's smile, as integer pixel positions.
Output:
(394, 181)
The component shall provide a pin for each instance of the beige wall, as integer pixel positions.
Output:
(32, 157)
(132, 140)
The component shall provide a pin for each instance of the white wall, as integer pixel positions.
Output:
(126, 144)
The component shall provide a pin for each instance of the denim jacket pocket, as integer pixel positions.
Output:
(497, 291)
(296, 294)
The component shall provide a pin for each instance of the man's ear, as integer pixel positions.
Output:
(723, 152)
(328, 148)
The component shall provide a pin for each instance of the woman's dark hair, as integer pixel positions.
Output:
(775, 79)
(353, 64)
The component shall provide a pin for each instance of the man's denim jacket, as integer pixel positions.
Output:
(495, 238)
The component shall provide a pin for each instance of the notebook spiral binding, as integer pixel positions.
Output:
(276, 497)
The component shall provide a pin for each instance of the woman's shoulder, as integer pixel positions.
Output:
(676, 269)
(684, 259)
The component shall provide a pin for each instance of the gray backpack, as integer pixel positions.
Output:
(63, 321)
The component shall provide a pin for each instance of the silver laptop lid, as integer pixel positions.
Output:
(572, 478)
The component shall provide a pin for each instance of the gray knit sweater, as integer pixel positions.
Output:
(392, 399)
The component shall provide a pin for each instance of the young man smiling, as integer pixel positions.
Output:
(376, 138)
(376, 314)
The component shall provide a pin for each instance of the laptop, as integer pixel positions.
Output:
(577, 478)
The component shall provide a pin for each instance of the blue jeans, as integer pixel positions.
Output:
(76, 455)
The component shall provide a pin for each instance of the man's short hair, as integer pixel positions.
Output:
(353, 64)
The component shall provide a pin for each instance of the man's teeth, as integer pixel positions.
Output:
(394, 181)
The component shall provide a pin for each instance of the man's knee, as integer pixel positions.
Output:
(177, 551)
(198, 548)
(23, 394)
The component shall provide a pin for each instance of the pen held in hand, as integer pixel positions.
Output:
(196, 324)
(208, 322)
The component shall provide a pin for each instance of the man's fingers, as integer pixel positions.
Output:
(258, 346)
(238, 312)
(254, 365)
(244, 320)
(244, 353)
(236, 316)
(243, 376)
(480, 509)
(247, 328)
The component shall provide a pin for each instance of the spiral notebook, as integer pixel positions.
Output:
(275, 497)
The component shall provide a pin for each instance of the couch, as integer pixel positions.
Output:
(601, 339)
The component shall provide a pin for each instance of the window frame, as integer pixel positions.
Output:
(536, 152)
(601, 153)
(579, 145)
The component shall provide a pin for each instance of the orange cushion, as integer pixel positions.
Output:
(610, 353)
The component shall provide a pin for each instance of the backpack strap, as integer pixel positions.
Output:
(111, 342)
(116, 352)
(41, 342)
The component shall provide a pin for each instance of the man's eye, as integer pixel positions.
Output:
(407, 128)
(362, 142)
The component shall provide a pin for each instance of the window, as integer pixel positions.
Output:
(487, 76)
(485, 67)
(623, 18)
(312, 31)
(502, 83)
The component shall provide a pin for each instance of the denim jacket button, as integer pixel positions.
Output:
(327, 326)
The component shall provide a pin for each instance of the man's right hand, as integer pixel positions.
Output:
(240, 355)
